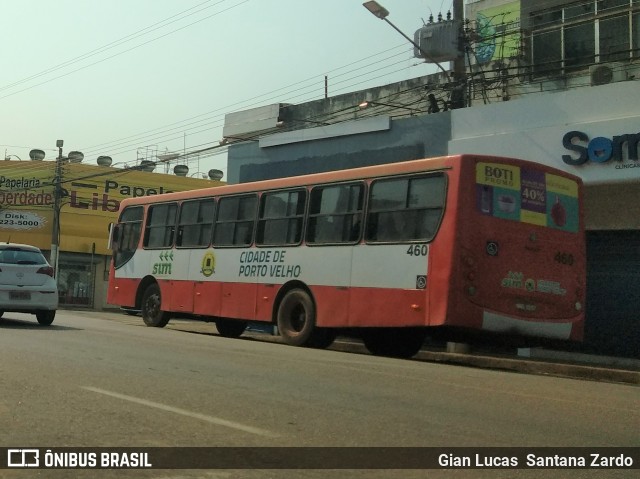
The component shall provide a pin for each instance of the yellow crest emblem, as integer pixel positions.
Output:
(208, 264)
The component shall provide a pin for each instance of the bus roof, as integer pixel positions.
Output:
(387, 169)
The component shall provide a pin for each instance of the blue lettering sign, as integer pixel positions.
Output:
(599, 149)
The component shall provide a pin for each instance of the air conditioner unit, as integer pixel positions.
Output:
(607, 73)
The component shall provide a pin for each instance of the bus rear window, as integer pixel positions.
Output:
(405, 209)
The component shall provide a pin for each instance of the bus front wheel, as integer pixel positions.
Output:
(394, 342)
(152, 313)
(230, 328)
(297, 321)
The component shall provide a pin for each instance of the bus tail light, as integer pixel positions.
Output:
(469, 273)
(579, 297)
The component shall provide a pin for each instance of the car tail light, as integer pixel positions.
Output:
(48, 270)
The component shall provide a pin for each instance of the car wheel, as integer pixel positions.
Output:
(152, 313)
(45, 318)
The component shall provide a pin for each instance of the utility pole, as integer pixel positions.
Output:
(57, 194)
(459, 64)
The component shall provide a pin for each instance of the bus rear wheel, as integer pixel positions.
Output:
(230, 328)
(151, 310)
(297, 321)
(394, 342)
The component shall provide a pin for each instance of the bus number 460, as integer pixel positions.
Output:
(417, 250)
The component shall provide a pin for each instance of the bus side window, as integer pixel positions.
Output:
(235, 221)
(390, 226)
(161, 225)
(281, 217)
(405, 209)
(335, 214)
(195, 223)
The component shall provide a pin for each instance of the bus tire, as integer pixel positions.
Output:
(394, 342)
(230, 328)
(322, 338)
(152, 314)
(297, 321)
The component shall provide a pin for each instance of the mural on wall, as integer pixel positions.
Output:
(498, 30)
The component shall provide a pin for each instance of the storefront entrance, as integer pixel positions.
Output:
(76, 281)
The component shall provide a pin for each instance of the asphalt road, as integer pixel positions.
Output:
(97, 382)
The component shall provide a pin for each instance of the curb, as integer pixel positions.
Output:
(566, 368)
(525, 366)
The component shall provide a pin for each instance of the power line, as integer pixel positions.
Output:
(158, 133)
(108, 46)
(107, 58)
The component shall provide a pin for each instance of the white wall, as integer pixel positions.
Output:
(532, 128)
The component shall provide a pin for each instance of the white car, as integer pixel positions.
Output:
(27, 284)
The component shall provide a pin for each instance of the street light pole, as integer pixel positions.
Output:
(57, 193)
(382, 13)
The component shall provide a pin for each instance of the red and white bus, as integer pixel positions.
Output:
(459, 244)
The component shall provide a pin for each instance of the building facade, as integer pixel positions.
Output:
(90, 201)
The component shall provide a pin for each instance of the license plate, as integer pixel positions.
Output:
(20, 295)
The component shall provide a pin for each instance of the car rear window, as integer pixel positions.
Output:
(18, 256)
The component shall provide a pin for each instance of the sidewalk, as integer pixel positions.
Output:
(530, 361)
(539, 361)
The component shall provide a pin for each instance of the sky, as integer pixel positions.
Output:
(132, 79)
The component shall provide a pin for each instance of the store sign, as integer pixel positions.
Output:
(90, 200)
(601, 149)
(20, 220)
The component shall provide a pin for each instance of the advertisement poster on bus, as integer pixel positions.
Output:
(535, 197)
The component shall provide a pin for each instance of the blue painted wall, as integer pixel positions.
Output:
(407, 139)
